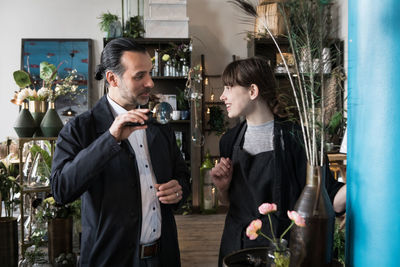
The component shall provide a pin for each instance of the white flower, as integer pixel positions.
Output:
(58, 88)
(74, 87)
(32, 93)
(23, 94)
(43, 92)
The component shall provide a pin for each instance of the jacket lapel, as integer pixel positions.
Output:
(102, 115)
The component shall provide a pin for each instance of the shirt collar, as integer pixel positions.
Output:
(115, 108)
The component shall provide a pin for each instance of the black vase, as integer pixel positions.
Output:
(8, 242)
(37, 110)
(51, 124)
(312, 246)
(25, 125)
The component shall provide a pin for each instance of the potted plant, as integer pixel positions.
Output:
(217, 120)
(110, 24)
(134, 27)
(8, 224)
(59, 219)
(183, 105)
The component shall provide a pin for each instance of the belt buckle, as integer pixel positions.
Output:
(142, 256)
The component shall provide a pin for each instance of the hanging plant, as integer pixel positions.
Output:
(217, 120)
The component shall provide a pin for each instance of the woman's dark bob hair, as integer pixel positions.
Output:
(254, 70)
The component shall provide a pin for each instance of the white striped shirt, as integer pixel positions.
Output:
(151, 213)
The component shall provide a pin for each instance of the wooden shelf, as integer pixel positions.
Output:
(214, 103)
(169, 77)
(179, 121)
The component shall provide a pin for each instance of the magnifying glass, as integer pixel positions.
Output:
(161, 114)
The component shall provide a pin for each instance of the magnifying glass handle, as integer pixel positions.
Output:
(146, 122)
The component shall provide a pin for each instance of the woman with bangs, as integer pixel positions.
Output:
(262, 158)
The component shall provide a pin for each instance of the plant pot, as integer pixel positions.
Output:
(60, 237)
(8, 242)
(25, 125)
(37, 110)
(185, 114)
(51, 124)
(312, 245)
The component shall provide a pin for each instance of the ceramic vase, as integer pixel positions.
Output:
(51, 124)
(312, 245)
(37, 110)
(25, 125)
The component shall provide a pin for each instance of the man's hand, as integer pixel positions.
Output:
(120, 131)
(169, 193)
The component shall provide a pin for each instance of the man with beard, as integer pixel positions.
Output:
(130, 178)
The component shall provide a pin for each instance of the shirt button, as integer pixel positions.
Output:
(154, 208)
(147, 166)
(154, 230)
(151, 187)
(141, 145)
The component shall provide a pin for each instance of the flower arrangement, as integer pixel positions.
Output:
(177, 56)
(52, 86)
(254, 230)
(9, 186)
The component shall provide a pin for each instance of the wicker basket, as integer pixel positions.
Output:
(269, 12)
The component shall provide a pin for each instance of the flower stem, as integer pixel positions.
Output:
(272, 241)
(272, 230)
(287, 229)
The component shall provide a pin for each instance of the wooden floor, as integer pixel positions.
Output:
(199, 239)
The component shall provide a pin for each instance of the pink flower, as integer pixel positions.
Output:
(266, 208)
(296, 218)
(253, 228)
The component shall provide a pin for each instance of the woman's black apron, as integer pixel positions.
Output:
(254, 181)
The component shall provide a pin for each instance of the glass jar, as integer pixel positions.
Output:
(278, 255)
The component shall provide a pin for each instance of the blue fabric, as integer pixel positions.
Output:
(373, 182)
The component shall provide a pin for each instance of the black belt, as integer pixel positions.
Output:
(149, 250)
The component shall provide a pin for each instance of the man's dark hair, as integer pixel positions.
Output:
(111, 56)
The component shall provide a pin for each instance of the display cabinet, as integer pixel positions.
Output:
(29, 191)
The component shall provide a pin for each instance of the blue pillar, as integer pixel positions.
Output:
(373, 190)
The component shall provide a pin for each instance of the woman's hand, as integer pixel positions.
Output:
(221, 176)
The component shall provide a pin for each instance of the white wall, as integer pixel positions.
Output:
(213, 22)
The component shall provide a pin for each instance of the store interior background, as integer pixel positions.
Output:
(215, 26)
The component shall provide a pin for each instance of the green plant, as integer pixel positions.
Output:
(134, 27)
(339, 243)
(182, 103)
(105, 21)
(48, 209)
(217, 120)
(8, 186)
(52, 85)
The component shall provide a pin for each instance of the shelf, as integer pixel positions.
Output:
(212, 75)
(169, 77)
(36, 189)
(180, 121)
(214, 103)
